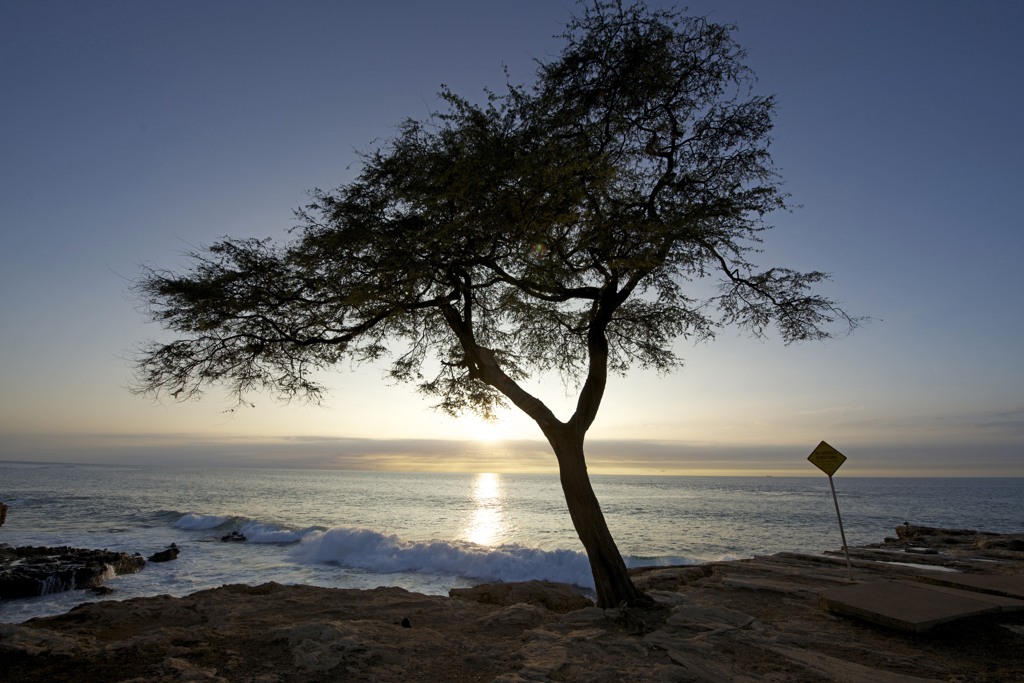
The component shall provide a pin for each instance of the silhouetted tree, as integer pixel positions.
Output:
(556, 229)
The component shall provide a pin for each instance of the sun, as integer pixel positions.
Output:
(485, 431)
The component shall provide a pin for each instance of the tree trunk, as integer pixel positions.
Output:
(610, 576)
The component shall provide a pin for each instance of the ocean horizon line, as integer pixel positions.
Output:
(287, 467)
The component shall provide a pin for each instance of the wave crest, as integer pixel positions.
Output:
(195, 522)
(258, 532)
(385, 554)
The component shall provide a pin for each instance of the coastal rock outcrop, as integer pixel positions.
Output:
(165, 555)
(760, 619)
(982, 544)
(557, 597)
(746, 620)
(3, 514)
(668, 578)
(910, 532)
(29, 571)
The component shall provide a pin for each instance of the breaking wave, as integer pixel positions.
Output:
(258, 532)
(195, 522)
(254, 531)
(379, 553)
(384, 554)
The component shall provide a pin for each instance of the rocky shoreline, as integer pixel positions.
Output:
(29, 571)
(746, 620)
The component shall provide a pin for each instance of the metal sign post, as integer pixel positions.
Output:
(828, 460)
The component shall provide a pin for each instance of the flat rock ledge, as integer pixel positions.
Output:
(557, 597)
(29, 571)
(745, 621)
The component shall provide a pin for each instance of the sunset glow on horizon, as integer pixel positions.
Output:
(123, 151)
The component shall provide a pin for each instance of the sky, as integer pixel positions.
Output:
(133, 131)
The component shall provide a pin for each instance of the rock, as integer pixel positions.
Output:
(583, 616)
(302, 633)
(707, 618)
(909, 532)
(102, 590)
(668, 578)
(633, 618)
(963, 544)
(541, 634)
(557, 597)
(1016, 544)
(15, 638)
(29, 571)
(700, 671)
(518, 615)
(3, 513)
(188, 671)
(233, 537)
(165, 555)
(669, 598)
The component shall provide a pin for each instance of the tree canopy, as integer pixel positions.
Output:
(559, 229)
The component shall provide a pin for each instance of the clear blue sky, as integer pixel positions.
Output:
(131, 130)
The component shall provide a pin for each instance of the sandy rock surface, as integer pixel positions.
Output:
(717, 628)
(557, 597)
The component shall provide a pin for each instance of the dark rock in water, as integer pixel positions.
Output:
(1016, 544)
(963, 543)
(102, 590)
(30, 571)
(3, 513)
(165, 555)
(909, 532)
(233, 537)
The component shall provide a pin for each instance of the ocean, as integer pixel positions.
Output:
(429, 532)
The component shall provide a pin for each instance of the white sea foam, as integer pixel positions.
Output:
(383, 554)
(196, 522)
(55, 584)
(258, 532)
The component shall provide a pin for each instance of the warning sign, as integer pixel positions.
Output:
(826, 458)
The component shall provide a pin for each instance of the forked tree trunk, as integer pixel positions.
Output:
(610, 576)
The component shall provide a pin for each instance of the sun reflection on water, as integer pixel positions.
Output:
(487, 525)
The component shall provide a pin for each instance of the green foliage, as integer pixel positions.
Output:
(554, 229)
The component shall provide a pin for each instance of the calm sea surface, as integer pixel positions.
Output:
(429, 532)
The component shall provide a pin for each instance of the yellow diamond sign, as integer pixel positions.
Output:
(826, 458)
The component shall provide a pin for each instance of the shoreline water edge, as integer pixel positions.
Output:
(432, 532)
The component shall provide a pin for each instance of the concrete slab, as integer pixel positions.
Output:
(1004, 603)
(903, 605)
(762, 585)
(1008, 585)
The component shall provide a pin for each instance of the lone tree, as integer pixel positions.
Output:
(555, 229)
